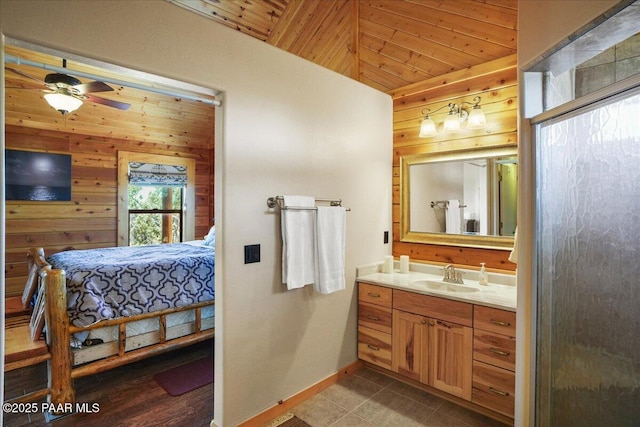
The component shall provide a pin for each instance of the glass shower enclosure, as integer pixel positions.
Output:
(588, 265)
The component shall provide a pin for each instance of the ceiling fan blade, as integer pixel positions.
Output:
(92, 87)
(107, 102)
(25, 75)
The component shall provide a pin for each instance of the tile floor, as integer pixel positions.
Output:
(370, 399)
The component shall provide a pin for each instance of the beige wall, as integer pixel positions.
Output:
(542, 25)
(286, 126)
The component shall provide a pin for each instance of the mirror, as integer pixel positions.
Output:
(464, 198)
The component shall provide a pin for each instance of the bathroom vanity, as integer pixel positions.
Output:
(453, 338)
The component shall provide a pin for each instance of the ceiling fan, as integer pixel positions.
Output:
(66, 93)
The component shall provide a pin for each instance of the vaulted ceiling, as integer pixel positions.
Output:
(386, 44)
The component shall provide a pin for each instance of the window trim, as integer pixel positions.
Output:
(189, 209)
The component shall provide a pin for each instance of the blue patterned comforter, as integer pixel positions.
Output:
(124, 281)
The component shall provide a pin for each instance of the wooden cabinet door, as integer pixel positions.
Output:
(451, 348)
(410, 339)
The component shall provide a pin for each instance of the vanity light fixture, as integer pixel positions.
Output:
(457, 115)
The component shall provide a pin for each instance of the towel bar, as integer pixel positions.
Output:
(278, 201)
(445, 203)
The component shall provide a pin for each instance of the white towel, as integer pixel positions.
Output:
(513, 256)
(330, 236)
(298, 242)
(453, 217)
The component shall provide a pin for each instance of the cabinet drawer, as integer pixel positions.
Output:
(374, 347)
(493, 388)
(494, 320)
(374, 294)
(495, 349)
(439, 308)
(374, 317)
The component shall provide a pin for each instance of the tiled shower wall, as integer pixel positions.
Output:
(614, 64)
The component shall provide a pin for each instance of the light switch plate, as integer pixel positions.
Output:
(251, 254)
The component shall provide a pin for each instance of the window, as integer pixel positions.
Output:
(156, 198)
(155, 214)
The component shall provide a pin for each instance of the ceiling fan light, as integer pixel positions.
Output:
(476, 119)
(427, 128)
(63, 103)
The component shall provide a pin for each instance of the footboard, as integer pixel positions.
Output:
(126, 349)
(59, 332)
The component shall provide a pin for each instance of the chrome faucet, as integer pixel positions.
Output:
(451, 275)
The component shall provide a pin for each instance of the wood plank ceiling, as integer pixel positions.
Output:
(385, 44)
(170, 121)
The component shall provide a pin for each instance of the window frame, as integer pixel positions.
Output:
(189, 194)
(164, 211)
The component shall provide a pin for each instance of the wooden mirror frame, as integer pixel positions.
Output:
(474, 241)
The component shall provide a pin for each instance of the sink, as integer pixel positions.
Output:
(443, 286)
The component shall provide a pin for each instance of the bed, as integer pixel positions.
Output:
(108, 307)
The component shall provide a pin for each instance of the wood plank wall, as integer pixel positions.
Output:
(93, 135)
(89, 220)
(496, 83)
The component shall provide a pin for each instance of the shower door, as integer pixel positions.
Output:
(588, 265)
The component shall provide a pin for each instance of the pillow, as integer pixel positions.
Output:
(210, 238)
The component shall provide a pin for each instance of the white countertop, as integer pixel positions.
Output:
(499, 293)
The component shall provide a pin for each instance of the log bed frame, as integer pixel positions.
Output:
(61, 371)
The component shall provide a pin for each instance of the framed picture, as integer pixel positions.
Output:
(37, 176)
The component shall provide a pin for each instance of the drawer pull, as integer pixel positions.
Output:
(500, 322)
(373, 347)
(498, 392)
(499, 352)
(374, 294)
(423, 321)
(373, 317)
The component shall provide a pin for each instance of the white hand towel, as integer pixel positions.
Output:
(298, 242)
(513, 256)
(453, 217)
(331, 237)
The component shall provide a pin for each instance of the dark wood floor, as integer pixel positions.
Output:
(127, 396)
